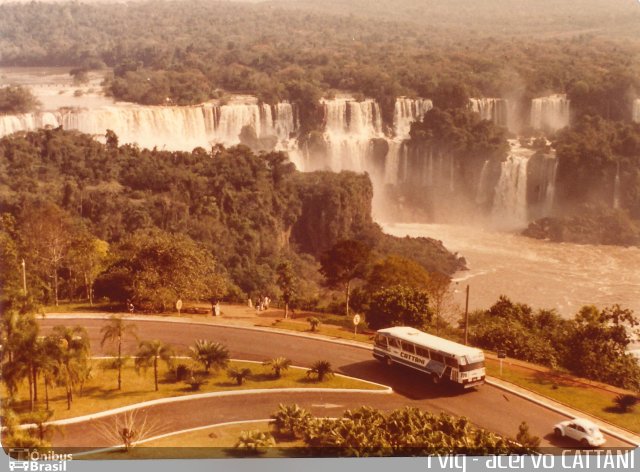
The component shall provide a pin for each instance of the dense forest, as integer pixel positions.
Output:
(297, 52)
(230, 209)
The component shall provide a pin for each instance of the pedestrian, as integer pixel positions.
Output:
(217, 309)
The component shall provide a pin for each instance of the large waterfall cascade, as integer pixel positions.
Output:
(492, 109)
(550, 113)
(636, 110)
(510, 198)
(350, 129)
(170, 127)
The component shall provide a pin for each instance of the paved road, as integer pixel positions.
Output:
(487, 406)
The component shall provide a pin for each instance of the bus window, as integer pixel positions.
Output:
(422, 352)
(437, 357)
(381, 341)
(407, 347)
(451, 362)
(394, 343)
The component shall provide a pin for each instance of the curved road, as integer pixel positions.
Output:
(487, 406)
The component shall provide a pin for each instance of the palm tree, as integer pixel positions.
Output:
(239, 375)
(149, 352)
(278, 364)
(71, 357)
(210, 354)
(321, 369)
(314, 323)
(114, 331)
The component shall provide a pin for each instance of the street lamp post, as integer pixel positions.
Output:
(24, 278)
(466, 318)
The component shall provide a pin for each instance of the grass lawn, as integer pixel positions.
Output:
(213, 442)
(324, 329)
(99, 393)
(562, 388)
(78, 307)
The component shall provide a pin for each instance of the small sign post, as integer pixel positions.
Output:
(356, 322)
(501, 355)
(179, 306)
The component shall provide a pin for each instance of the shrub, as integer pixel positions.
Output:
(183, 372)
(196, 381)
(239, 375)
(625, 403)
(254, 441)
(290, 420)
(321, 369)
(314, 323)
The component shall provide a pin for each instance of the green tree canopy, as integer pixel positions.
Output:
(343, 263)
(399, 306)
(158, 268)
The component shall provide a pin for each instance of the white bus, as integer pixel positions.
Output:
(440, 358)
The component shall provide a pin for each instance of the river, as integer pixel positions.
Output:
(542, 274)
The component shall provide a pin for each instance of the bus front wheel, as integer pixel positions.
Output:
(388, 361)
(435, 379)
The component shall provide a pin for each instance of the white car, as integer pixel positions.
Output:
(581, 430)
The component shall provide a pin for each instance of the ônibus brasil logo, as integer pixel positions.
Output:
(32, 460)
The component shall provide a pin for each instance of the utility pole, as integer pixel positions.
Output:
(466, 319)
(24, 278)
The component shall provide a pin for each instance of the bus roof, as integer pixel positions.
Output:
(415, 336)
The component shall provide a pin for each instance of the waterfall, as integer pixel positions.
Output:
(550, 190)
(492, 109)
(170, 127)
(550, 113)
(406, 111)
(636, 110)
(27, 122)
(510, 199)
(616, 188)
(349, 128)
(481, 192)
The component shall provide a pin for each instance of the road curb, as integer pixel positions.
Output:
(167, 435)
(544, 402)
(320, 337)
(199, 396)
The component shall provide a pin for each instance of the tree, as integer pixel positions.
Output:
(149, 353)
(598, 346)
(287, 283)
(399, 306)
(15, 100)
(88, 256)
(397, 270)
(278, 364)
(321, 369)
(343, 263)
(238, 374)
(440, 297)
(47, 233)
(71, 358)
(158, 268)
(115, 331)
(210, 354)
